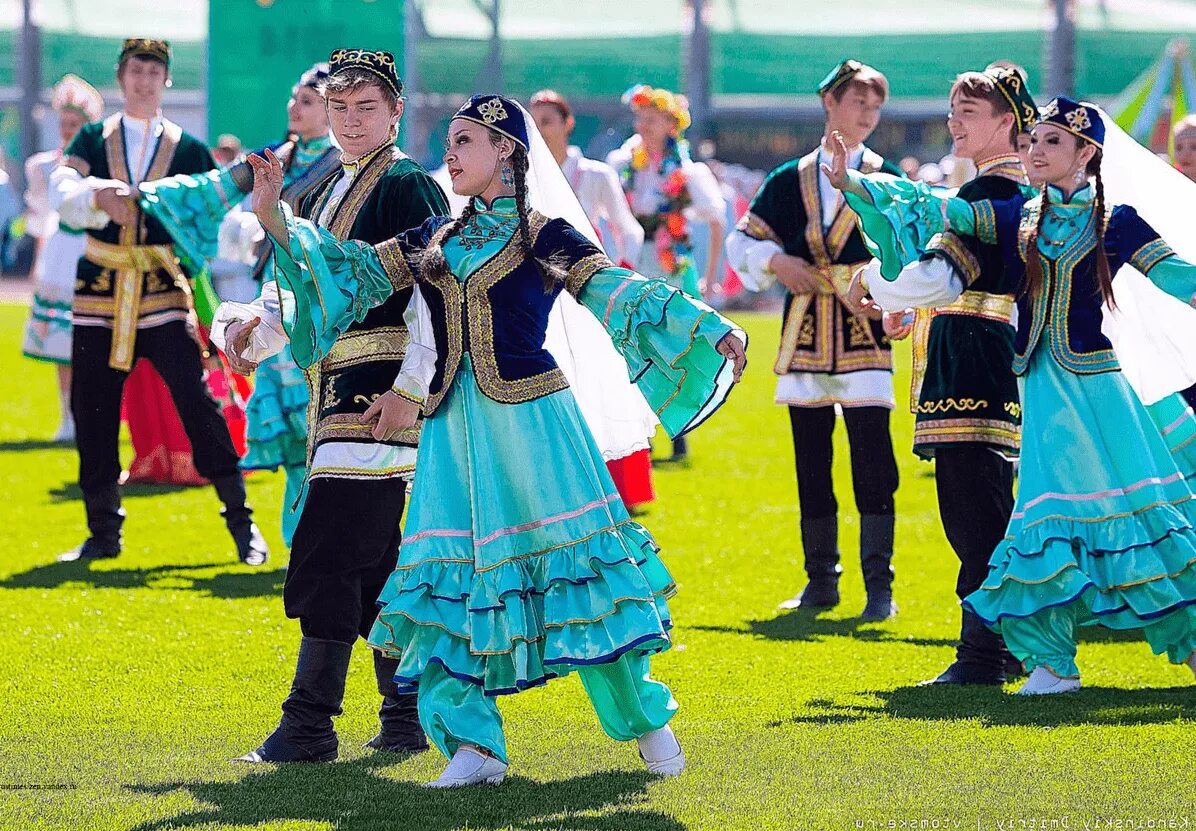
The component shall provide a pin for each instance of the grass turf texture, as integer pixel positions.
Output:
(128, 685)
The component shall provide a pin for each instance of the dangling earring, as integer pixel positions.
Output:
(507, 176)
(1080, 176)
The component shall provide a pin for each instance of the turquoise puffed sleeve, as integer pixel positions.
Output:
(191, 208)
(333, 283)
(899, 217)
(668, 341)
(1175, 276)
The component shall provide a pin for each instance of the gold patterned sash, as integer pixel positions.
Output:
(998, 307)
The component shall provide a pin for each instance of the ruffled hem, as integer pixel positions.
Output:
(1127, 570)
(898, 218)
(669, 342)
(529, 619)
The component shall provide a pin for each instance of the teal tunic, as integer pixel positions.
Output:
(1102, 529)
(519, 562)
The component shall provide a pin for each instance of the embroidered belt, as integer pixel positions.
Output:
(386, 343)
(131, 263)
(839, 277)
(997, 307)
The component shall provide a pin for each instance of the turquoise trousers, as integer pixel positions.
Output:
(627, 701)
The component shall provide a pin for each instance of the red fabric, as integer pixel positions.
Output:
(162, 451)
(633, 478)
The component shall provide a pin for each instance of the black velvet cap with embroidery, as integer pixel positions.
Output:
(1076, 117)
(497, 113)
(381, 64)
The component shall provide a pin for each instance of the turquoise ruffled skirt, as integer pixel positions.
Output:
(1102, 530)
(277, 431)
(519, 562)
(277, 415)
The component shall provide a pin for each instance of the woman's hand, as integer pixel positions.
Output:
(836, 172)
(267, 190)
(731, 348)
(394, 414)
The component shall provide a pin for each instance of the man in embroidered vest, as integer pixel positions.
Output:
(347, 540)
(799, 231)
(965, 395)
(133, 300)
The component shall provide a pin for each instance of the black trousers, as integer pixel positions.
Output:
(95, 402)
(873, 466)
(345, 547)
(975, 491)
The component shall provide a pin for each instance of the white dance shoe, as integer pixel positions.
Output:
(1044, 682)
(661, 752)
(468, 767)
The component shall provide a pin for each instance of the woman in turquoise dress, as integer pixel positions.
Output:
(520, 563)
(1102, 529)
(202, 209)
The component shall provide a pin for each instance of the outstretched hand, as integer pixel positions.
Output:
(836, 172)
(731, 348)
(267, 190)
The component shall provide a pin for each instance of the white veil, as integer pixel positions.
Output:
(613, 407)
(1153, 333)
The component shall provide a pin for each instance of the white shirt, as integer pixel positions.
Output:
(72, 194)
(340, 459)
(601, 195)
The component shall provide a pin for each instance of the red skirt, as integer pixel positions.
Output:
(633, 478)
(161, 449)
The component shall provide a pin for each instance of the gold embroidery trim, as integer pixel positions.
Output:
(582, 270)
(481, 328)
(394, 263)
(756, 228)
(960, 405)
(360, 189)
(384, 343)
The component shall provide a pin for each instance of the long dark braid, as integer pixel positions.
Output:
(549, 270)
(1033, 258)
(1103, 275)
(432, 260)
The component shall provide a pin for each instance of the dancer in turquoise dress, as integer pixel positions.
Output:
(1102, 530)
(519, 563)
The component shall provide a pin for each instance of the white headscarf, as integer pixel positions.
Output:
(1153, 333)
(613, 407)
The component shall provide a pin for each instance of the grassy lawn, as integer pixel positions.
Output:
(126, 686)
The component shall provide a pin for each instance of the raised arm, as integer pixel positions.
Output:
(684, 356)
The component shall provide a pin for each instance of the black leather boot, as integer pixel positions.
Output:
(305, 733)
(981, 657)
(876, 561)
(104, 519)
(680, 449)
(400, 731)
(238, 516)
(820, 541)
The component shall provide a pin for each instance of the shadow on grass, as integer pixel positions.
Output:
(353, 795)
(1103, 706)
(34, 444)
(70, 492)
(234, 581)
(808, 626)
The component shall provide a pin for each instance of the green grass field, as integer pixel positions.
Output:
(127, 686)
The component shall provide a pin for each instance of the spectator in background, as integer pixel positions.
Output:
(667, 191)
(59, 246)
(1184, 142)
(227, 150)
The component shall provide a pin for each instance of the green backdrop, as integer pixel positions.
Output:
(257, 49)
